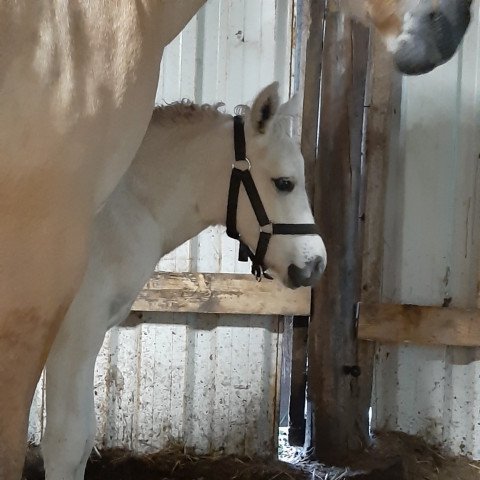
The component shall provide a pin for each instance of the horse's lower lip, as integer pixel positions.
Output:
(289, 284)
(415, 68)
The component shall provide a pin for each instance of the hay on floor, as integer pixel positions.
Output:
(391, 457)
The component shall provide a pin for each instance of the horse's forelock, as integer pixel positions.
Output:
(284, 125)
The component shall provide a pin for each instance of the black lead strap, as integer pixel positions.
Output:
(241, 175)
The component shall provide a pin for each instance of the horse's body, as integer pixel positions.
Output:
(77, 82)
(176, 187)
(77, 86)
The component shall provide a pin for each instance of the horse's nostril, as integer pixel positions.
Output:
(318, 265)
(309, 274)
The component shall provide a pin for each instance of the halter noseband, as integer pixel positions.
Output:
(241, 174)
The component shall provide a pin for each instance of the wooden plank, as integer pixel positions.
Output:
(220, 293)
(311, 62)
(381, 106)
(391, 323)
(313, 11)
(286, 371)
(382, 109)
(339, 417)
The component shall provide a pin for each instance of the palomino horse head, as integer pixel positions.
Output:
(277, 169)
(421, 34)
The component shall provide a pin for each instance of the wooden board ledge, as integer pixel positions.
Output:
(425, 325)
(220, 293)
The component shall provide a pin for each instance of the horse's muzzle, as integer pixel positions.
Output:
(432, 36)
(307, 276)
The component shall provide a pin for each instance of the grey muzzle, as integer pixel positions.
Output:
(433, 34)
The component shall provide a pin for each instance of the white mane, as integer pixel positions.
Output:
(186, 111)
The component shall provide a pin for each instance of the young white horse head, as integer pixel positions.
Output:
(297, 256)
(194, 183)
(421, 34)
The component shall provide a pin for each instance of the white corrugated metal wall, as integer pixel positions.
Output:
(432, 246)
(209, 381)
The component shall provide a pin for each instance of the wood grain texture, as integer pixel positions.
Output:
(382, 104)
(339, 418)
(312, 81)
(220, 293)
(390, 323)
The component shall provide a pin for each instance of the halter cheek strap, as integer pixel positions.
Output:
(241, 175)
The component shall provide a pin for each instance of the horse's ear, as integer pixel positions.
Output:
(292, 108)
(264, 107)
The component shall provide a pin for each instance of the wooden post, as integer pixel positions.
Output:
(314, 21)
(382, 113)
(340, 420)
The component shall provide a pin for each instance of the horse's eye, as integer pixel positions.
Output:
(283, 184)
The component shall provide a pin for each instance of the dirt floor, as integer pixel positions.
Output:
(393, 457)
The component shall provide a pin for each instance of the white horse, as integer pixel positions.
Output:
(77, 85)
(177, 185)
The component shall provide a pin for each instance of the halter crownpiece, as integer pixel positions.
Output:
(241, 175)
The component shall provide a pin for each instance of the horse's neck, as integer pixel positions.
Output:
(175, 17)
(384, 14)
(181, 175)
(352, 8)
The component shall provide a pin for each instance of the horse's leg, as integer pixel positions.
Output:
(43, 238)
(70, 428)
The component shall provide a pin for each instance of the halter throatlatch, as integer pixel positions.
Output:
(241, 174)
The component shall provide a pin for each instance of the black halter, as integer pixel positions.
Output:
(241, 174)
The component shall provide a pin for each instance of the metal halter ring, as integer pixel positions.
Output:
(242, 165)
(268, 228)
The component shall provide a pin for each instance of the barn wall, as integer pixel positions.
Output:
(432, 252)
(207, 380)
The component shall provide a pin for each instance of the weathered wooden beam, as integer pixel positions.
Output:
(382, 107)
(314, 20)
(286, 371)
(220, 293)
(340, 420)
(382, 110)
(390, 323)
